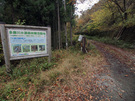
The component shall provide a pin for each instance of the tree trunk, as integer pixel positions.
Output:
(125, 13)
(123, 10)
(54, 33)
(71, 26)
(66, 35)
(59, 35)
(71, 33)
(125, 16)
(65, 25)
(120, 33)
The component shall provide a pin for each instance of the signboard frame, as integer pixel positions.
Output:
(6, 42)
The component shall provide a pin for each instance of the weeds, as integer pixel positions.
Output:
(53, 75)
(107, 40)
(31, 76)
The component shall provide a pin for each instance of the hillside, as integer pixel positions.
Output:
(114, 19)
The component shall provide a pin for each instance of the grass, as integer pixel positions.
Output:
(36, 76)
(107, 40)
(37, 73)
(25, 73)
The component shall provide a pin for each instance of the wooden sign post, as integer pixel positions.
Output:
(5, 48)
(84, 44)
(22, 42)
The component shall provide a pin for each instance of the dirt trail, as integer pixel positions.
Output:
(121, 80)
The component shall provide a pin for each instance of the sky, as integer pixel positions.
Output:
(87, 4)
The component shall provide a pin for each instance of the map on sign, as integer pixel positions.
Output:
(27, 42)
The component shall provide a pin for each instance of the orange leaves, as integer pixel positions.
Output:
(56, 84)
(66, 89)
(91, 97)
(72, 2)
(126, 75)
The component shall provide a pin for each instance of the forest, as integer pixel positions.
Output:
(57, 14)
(112, 18)
(109, 18)
(105, 72)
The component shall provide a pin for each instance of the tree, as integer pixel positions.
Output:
(65, 24)
(71, 2)
(59, 35)
(39, 13)
(71, 26)
(122, 9)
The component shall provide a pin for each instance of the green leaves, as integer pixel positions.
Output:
(19, 22)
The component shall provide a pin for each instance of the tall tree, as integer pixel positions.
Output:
(122, 7)
(71, 26)
(39, 13)
(71, 2)
(65, 24)
(59, 35)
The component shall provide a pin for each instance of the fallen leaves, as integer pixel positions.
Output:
(66, 89)
(120, 95)
(122, 91)
(126, 75)
(91, 97)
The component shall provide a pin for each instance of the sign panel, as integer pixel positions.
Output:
(80, 38)
(27, 42)
(21, 42)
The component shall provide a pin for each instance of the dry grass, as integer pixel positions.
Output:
(68, 65)
(65, 66)
(71, 66)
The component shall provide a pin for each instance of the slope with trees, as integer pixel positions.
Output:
(113, 18)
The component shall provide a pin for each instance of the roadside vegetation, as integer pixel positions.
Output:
(35, 77)
(115, 42)
(31, 75)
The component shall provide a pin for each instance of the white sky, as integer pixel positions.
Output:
(84, 6)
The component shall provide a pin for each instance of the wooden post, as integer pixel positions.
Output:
(5, 48)
(84, 43)
(49, 44)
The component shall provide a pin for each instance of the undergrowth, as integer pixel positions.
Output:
(107, 40)
(31, 75)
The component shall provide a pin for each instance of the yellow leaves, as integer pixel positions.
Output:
(91, 97)
(19, 89)
(72, 1)
(100, 17)
(80, 21)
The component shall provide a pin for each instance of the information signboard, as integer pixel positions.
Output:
(27, 42)
(21, 42)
